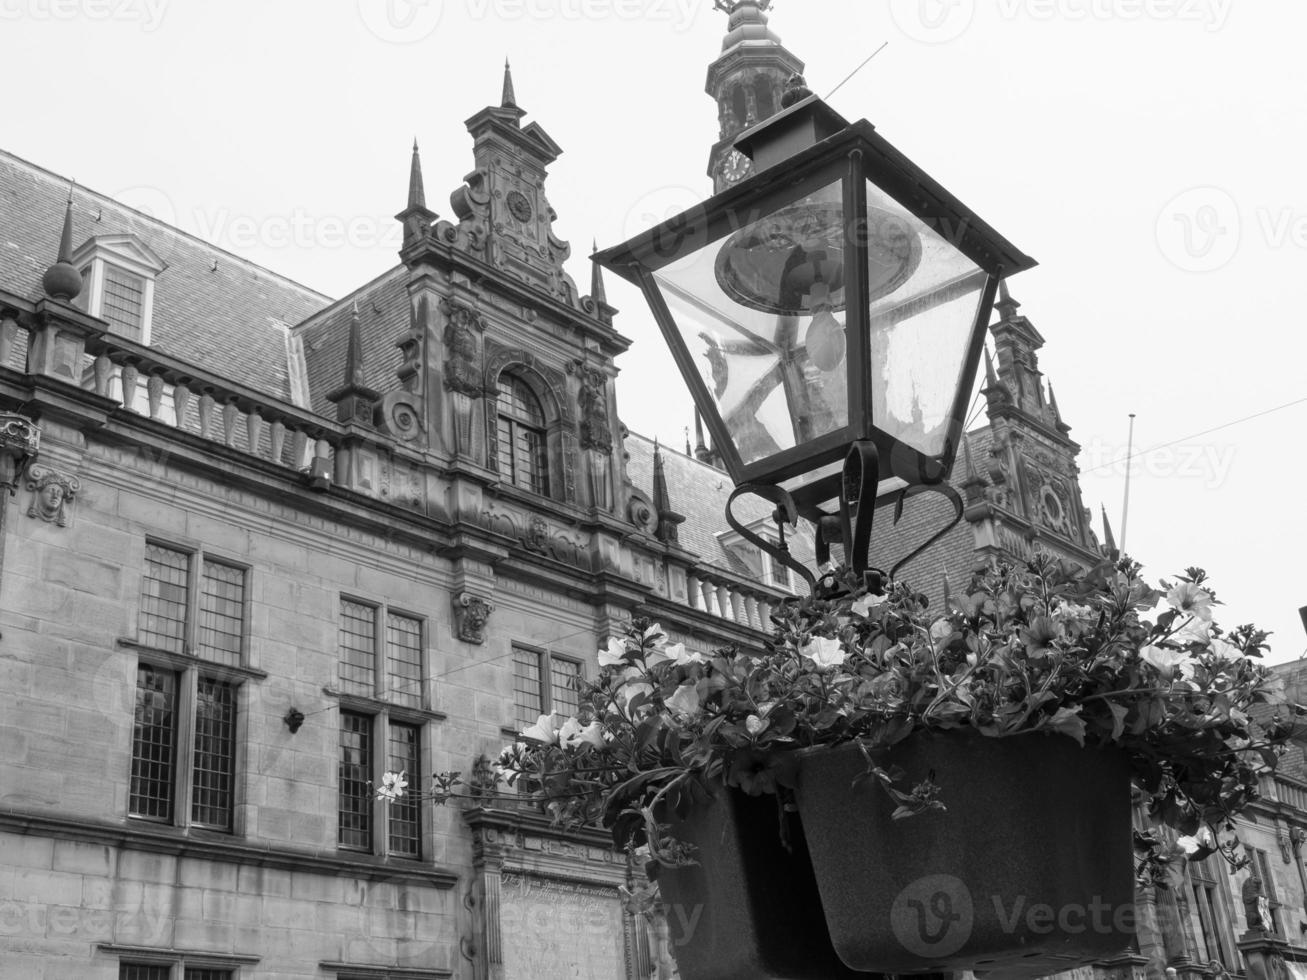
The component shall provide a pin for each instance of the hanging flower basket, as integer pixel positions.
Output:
(963, 776)
(1028, 871)
(749, 907)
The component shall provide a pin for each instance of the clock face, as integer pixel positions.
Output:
(519, 206)
(735, 167)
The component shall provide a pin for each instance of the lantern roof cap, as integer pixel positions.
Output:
(790, 131)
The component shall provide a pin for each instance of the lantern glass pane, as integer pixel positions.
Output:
(761, 310)
(921, 328)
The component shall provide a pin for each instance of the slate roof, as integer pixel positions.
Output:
(383, 316)
(231, 319)
(699, 492)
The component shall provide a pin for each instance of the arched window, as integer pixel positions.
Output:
(763, 94)
(523, 455)
(740, 106)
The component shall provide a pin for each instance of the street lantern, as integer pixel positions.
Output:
(828, 314)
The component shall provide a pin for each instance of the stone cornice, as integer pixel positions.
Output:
(204, 846)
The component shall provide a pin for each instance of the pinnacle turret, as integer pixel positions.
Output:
(62, 280)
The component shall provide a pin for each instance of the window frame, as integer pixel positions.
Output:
(189, 668)
(545, 479)
(545, 660)
(1211, 899)
(196, 558)
(177, 961)
(381, 687)
(379, 722)
(187, 675)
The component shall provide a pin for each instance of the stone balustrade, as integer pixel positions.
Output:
(731, 600)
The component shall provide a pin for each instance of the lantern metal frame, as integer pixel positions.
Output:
(803, 149)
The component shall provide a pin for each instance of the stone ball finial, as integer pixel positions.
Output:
(62, 281)
(796, 90)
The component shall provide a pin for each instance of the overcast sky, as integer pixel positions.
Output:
(1149, 153)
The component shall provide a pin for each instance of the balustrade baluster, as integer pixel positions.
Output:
(276, 440)
(154, 393)
(206, 415)
(254, 430)
(181, 400)
(129, 376)
(229, 413)
(102, 371)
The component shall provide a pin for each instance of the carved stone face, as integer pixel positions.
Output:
(50, 498)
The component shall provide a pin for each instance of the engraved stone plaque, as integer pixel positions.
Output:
(560, 930)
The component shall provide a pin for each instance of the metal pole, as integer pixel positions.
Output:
(1129, 465)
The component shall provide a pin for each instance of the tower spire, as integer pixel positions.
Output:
(509, 100)
(416, 216)
(701, 451)
(668, 520)
(1006, 305)
(598, 292)
(417, 195)
(1109, 540)
(354, 400)
(62, 280)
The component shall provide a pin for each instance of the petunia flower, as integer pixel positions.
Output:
(393, 785)
(685, 701)
(824, 652)
(1189, 598)
(615, 653)
(1164, 660)
(1192, 630)
(573, 734)
(867, 603)
(677, 653)
(543, 731)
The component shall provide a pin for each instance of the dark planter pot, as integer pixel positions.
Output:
(1028, 872)
(749, 910)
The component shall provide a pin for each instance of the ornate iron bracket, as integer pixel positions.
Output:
(785, 513)
(852, 526)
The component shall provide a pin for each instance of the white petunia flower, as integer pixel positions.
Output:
(867, 603)
(685, 701)
(393, 785)
(682, 657)
(615, 653)
(1166, 661)
(543, 731)
(824, 652)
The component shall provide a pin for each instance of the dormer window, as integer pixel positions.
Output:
(118, 273)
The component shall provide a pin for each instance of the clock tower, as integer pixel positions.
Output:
(746, 81)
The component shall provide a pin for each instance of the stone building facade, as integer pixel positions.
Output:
(262, 545)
